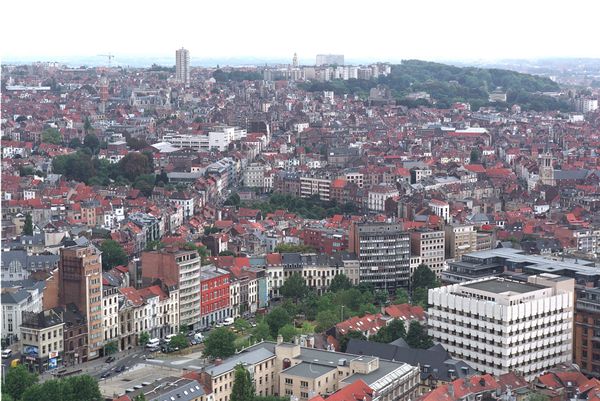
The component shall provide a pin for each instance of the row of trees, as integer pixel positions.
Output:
(21, 385)
(310, 208)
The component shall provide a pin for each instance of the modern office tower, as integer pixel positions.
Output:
(499, 325)
(182, 66)
(80, 275)
(383, 251)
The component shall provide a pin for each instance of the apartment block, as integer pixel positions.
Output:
(429, 246)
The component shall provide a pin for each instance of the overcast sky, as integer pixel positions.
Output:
(361, 30)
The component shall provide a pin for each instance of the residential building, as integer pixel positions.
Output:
(80, 275)
(379, 194)
(180, 268)
(460, 239)
(429, 245)
(329, 59)
(42, 340)
(310, 186)
(440, 208)
(587, 331)
(499, 325)
(23, 296)
(182, 66)
(383, 251)
(75, 334)
(214, 293)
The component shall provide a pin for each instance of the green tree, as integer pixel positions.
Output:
(143, 338)
(292, 248)
(219, 343)
(417, 336)
(135, 164)
(17, 380)
(327, 319)
(340, 282)
(139, 397)
(294, 288)
(111, 347)
(28, 227)
(278, 318)
(535, 396)
(474, 156)
(420, 297)
(233, 200)
(227, 253)
(424, 277)
(51, 390)
(113, 254)
(391, 332)
(87, 125)
(345, 339)
(288, 332)
(83, 388)
(52, 135)
(401, 296)
(262, 331)
(145, 183)
(24, 171)
(91, 142)
(243, 389)
(178, 341)
(74, 143)
(381, 297)
(241, 325)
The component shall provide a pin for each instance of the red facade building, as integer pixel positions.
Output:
(214, 294)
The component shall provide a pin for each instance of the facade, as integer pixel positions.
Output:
(80, 275)
(254, 175)
(383, 251)
(379, 194)
(498, 325)
(214, 293)
(25, 297)
(587, 331)
(180, 268)
(110, 313)
(310, 186)
(182, 66)
(460, 239)
(441, 208)
(42, 340)
(429, 246)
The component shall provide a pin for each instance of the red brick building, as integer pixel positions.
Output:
(214, 294)
(324, 240)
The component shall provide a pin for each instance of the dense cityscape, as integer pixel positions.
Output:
(411, 231)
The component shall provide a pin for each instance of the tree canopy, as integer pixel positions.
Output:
(28, 227)
(17, 381)
(52, 135)
(243, 389)
(219, 343)
(340, 282)
(417, 336)
(276, 319)
(73, 388)
(113, 254)
(135, 164)
(294, 288)
(424, 277)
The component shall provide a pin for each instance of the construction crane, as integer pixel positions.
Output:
(110, 58)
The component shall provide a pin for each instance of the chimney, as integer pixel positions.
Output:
(451, 390)
(218, 361)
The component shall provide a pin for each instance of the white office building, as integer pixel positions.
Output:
(182, 66)
(500, 326)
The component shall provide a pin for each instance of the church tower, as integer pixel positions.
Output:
(295, 61)
(546, 169)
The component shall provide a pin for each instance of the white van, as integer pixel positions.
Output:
(228, 321)
(168, 338)
(6, 353)
(153, 343)
(199, 337)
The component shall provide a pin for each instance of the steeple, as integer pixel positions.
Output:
(295, 61)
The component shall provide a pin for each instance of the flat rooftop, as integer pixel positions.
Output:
(499, 286)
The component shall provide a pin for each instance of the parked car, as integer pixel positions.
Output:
(228, 321)
(121, 368)
(6, 353)
(105, 375)
(110, 359)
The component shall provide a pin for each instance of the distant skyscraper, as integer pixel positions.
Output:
(295, 61)
(182, 66)
(330, 59)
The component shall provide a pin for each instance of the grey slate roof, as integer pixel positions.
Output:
(438, 359)
(308, 369)
(250, 357)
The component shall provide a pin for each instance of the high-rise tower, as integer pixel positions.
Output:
(546, 169)
(182, 66)
(295, 61)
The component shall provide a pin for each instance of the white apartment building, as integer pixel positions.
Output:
(310, 186)
(379, 194)
(429, 246)
(500, 326)
(15, 301)
(440, 208)
(234, 298)
(110, 313)
(586, 105)
(182, 66)
(254, 175)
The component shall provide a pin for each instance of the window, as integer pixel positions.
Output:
(289, 381)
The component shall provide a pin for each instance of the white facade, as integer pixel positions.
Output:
(499, 325)
(440, 208)
(378, 196)
(254, 175)
(13, 306)
(182, 66)
(110, 314)
(189, 288)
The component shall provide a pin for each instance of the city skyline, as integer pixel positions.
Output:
(455, 32)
